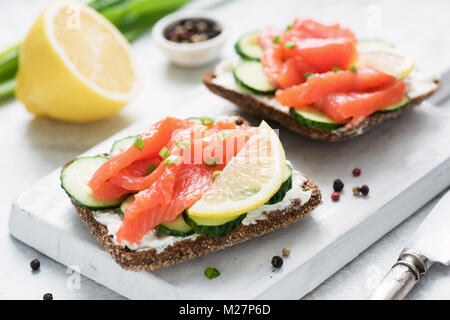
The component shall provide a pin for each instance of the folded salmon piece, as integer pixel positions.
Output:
(153, 140)
(356, 106)
(319, 85)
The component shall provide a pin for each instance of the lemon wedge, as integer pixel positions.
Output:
(75, 65)
(249, 180)
(385, 58)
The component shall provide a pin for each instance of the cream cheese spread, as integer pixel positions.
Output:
(112, 220)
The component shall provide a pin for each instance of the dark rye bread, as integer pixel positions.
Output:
(185, 250)
(188, 249)
(254, 106)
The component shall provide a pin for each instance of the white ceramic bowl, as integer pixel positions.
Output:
(190, 54)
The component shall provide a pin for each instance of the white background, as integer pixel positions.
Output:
(32, 147)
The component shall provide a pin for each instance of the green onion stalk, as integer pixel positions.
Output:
(131, 17)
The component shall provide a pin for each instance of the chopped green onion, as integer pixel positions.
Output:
(222, 135)
(164, 153)
(289, 27)
(212, 273)
(139, 143)
(336, 69)
(151, 168)
(211, 162)
(183, 144)
(353, 69)
(205, 127)
(290, 45)
(308, 75)
(216, 174)
(172, 160)
(206, 120)
(277, 40)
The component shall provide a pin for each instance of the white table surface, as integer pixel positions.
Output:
(32, 147)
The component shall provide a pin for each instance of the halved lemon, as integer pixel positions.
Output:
(383, 57)
(75, 65)
(249, 180)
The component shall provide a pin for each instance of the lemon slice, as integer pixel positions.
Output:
(386, 59)
(249, 180)
(75, 65)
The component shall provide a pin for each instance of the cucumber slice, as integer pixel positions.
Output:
(251, 76)
(121, 145)
(314, 119)
(285, 186)
(248, 48)
(395, 107)
(75, 177)
(213, 227)
(176, 228)
(126, 202)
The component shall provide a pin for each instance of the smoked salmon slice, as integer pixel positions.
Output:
(136, 176)
(110, 191)
(189, 183)
(324, 54)
(154, 139)
(341, 107)
(181, 184)
(307, 28)
(320, 85)
(284, 72)
(308, 47)
(265, 37)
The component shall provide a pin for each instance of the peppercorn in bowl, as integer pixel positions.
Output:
(191, 38)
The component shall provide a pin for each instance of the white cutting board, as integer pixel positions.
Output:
(405, 162)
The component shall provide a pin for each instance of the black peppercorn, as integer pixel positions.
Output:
(35, 264)
(277, 261)
(47, 296)
(364, 190)
(338, 185)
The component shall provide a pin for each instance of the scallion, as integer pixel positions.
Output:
(164, 153)
(353, 69)
(211, 162)
(290, 45)
(139, 143)
(222, 135)
(183, 144)
(277, 40)
(216, 174)
(336, 69)
(212, 273)
(206, 120)
(151, 167)
(173, 159)
(308, 75)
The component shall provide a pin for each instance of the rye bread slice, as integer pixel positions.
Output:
(185, 250)
(261, 109)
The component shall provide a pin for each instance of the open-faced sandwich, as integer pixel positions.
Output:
(319, 80)
(185, 188)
